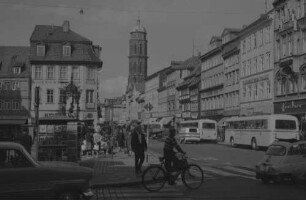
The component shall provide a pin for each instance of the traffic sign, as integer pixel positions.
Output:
(148, 107)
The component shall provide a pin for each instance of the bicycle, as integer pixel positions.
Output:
(154, 176)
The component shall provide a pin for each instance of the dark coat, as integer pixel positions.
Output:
(138, 147)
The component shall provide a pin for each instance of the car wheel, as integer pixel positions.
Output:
(254, 144)
(68, 195)
(232, 142)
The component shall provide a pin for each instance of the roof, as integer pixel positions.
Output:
(51, 33)
(13, 56)
(190, 63)
(53, 37)
(231, 30)
(138, 28)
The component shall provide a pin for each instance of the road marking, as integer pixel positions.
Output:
(219, 171)
(243, 171)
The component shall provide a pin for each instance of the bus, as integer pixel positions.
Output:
(156, 130)
(198, 130)
(260, 131)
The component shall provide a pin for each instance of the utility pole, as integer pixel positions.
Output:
(36, 105)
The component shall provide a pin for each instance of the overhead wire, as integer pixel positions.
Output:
(81, 7)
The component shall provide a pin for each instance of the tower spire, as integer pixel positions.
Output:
(138, 19)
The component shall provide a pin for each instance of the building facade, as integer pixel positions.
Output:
(15, 92)
(256, 72)
(212, 81)
(162, 93)
(138, 58)
(290, 59)
(231, 57)
(64, 67)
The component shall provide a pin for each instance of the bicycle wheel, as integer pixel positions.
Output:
(193, 176)
(153, 178)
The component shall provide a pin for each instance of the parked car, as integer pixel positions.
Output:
(283, 160)
(22, 176)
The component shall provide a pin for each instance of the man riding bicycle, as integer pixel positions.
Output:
(171, 161)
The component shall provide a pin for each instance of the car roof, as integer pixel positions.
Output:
(5, 145)
(288, 144)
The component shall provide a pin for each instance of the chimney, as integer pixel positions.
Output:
(66, 26)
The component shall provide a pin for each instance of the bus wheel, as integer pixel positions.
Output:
(232, 142)
(254, 144)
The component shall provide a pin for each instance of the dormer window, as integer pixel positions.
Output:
(41, 50)
(17, 70)
(66, 50)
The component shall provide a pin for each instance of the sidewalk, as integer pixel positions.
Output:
(116, 171)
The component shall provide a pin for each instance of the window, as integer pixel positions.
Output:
(11, 158)
(140, 49)
(17, 70)
(285, 124)
(66, 50)
(16, 105)
(7, 105)
(90, 73)
(89, 96)
(50, 72)
(50, 96)
(284, 48)
(62, 96)
(37, 72)
(40, 50)
(63, 72)
(290, 48)
(304, 41)
(76, 72)
(15, 85)
(7, 85)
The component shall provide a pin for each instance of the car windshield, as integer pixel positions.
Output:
(276, 150)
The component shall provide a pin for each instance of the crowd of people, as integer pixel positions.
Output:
(104, 139)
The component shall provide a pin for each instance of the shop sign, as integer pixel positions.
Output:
(194, 115)
(298, 106)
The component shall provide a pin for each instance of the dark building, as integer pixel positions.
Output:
(15, 91)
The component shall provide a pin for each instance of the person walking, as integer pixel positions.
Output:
(129, 140)
(26, 141)
(120, 139)
(139, 146)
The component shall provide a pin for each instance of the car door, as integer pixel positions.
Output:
(17, 174)
(296, 161)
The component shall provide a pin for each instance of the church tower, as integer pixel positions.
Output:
(138, 58)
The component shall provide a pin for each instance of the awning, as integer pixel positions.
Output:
(12, 121)
(167, 120)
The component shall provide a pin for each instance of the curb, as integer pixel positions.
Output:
(126, 184)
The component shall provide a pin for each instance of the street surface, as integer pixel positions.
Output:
(229, 173)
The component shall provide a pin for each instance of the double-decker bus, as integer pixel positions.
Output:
(198, 130)
(261, 130)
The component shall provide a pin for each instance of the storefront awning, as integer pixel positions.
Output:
(12, 121)
(167, 120)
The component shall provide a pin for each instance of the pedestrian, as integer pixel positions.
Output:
(97, 141)
(128, 140)
(139, 146)
(26, 141)
(120, 139)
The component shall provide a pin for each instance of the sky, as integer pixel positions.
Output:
(176, 29)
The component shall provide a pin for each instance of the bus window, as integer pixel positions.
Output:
(285, 124)
(258, 124)
(250, 124)
(208, 125)
(236, 125)
(241, 124)
(264, 124)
